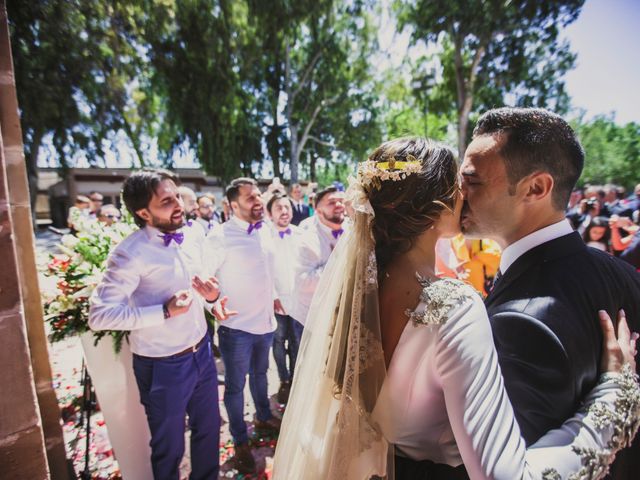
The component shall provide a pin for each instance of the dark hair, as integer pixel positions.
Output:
(536, 140)
(323, 193)
(233, 190)
(274, 198)
(406, 208)
(139, 187)
(206, 195)
(598, 222)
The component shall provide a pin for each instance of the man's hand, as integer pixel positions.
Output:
(220, 310)
(179, 303)
(278, 308)
(209, 289)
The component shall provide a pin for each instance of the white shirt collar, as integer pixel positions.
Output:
(155, 235)
(546, 234)
(244, 225)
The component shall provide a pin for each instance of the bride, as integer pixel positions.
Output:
(375, 371)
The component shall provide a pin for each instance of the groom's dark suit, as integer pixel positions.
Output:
(543, 314)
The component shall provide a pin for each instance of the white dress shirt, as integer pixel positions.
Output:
(244, 266)
(316, 245)
(309, 222)
(142, 274)
(546, 234)
(286, 255)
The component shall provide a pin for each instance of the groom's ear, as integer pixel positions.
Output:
(538, 186)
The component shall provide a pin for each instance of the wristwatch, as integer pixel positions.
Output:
(165, 311)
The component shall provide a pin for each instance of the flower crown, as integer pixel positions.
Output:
(372, 174)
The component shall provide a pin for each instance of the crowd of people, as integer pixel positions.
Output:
(256, 265)
(608, 220)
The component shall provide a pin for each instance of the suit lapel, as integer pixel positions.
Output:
(559, 247)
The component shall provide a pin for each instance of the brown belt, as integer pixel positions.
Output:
(192, 349)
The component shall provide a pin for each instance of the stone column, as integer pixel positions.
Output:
(21, 313)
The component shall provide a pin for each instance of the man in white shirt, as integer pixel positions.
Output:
(287, 336)
(147, 289)
(240, 253)
(317, 243)
(208, 216)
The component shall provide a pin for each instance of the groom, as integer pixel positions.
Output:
(518, 173)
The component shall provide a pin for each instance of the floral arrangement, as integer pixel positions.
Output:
(77, 271)
(372, 174)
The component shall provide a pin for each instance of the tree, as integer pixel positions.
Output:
(74, 77)
(202, 52)
(495, 52)
(316, 79)
(612, 151)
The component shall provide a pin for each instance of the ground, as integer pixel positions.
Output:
(66, 362)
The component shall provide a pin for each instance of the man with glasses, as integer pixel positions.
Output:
(108, 214)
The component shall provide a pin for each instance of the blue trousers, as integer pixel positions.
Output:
(244, 353)
(289, 331)
(170, 389)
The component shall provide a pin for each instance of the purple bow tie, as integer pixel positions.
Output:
(337, 233)
(177, 237)
(284, 232)
(254, 226)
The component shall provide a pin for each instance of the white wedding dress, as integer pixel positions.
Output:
(444, 400)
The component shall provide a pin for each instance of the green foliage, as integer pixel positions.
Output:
(494, 52)
(612, 152)
(79, 78)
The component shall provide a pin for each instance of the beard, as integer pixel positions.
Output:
(337, 219)
(283, 222)
(256, 215)
(167, 225)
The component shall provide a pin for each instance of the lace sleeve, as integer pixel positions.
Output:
(439, 299)
(483, 422)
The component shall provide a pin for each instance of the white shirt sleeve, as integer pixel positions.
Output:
(482, 417)
(109, 304)
(214, 251)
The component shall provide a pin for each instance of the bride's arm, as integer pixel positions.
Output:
(483, 421)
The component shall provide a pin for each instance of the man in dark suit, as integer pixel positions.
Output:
(518, 173)
(299, 208)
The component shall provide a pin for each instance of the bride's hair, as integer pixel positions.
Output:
(406, 208)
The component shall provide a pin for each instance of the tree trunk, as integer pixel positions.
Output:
(294, 153)
(32, 172)
(312, 167)
(135, 142)
(464, 89)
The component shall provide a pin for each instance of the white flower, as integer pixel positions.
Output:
(69, 241)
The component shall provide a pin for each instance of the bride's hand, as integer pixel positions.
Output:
(617, 351)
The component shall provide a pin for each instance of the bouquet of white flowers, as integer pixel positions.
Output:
(78, 269)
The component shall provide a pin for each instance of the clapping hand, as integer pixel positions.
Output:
(179, 303)
(209, 289)
(220, 310)
(617, 351)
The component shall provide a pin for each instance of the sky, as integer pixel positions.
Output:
(606, 37)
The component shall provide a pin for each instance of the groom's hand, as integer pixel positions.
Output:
(617, 351)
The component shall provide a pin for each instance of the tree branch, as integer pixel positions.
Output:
(321, 142)
(305, 76)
